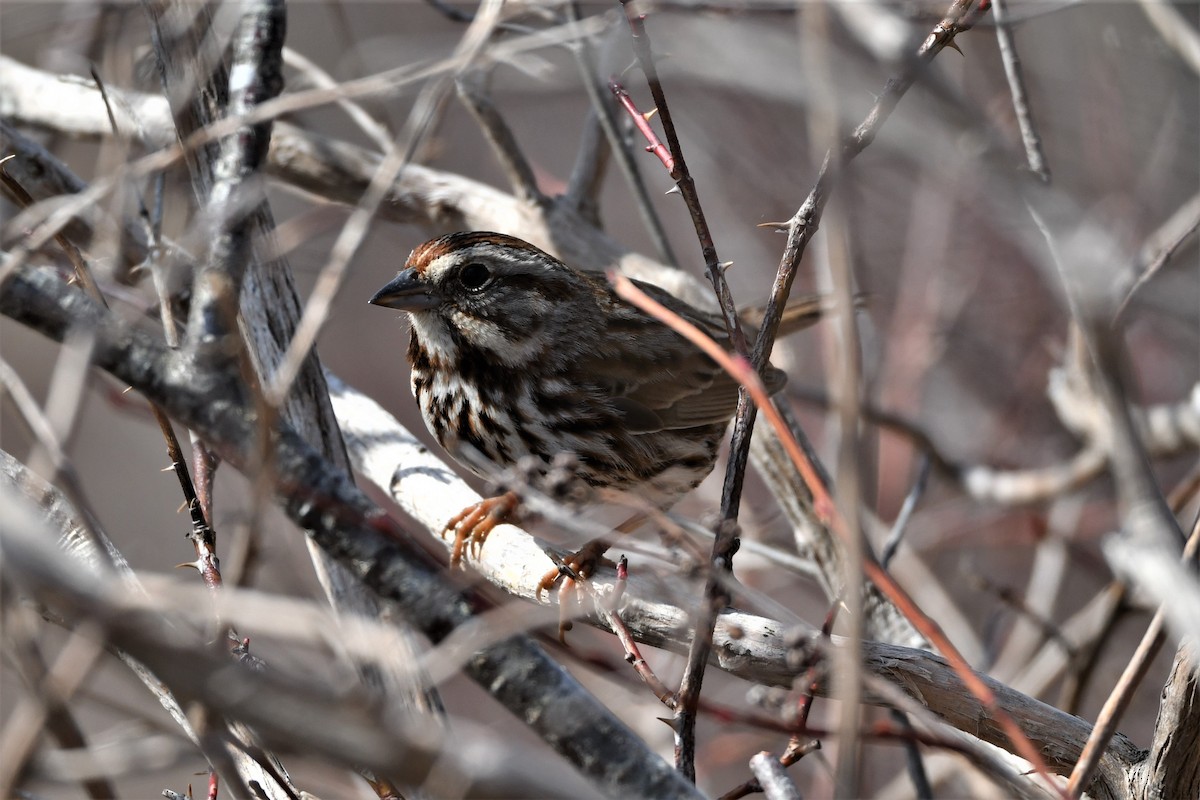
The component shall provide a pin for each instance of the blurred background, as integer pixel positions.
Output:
(963, 324)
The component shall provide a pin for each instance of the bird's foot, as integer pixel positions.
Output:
(578, 566)
(472, 525)
(572, 572)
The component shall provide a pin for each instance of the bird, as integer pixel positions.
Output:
(517, 357)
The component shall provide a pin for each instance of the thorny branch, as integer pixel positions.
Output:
(340, 172)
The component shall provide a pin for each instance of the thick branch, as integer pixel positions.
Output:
(325, 502)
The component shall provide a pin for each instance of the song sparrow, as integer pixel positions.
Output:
(516, 354)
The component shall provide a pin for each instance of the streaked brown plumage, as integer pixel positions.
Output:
(514, 354)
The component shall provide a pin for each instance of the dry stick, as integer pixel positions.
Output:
(1160, 246)
(715, 596)
(316, 311)
(389, 81)
(1015, 602)
(1176, 30)
(1118, 701)
(617, 146)
(827, 512)
(1079, 670)
(255, 77)
(504, 147)
(197, 494)
(1016, 87)
(796, 749)
(916, 766)
(24, 727)
(771, 777)
(633, 654)
(900, 525)
(1021, 486)
(201, 535)
(678, 170)
(843, 358)
(800, 230)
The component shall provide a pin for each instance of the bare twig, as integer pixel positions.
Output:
(725, 544)
(584, 185)
(1175, 29)
(633, 653)
(741, 371)
(255, 77)
(26, 722)
(1016, 87)
(900, 525)
(1158, 249)
(346, 524)
(473, 92)
(1118, 700)
(201, 534)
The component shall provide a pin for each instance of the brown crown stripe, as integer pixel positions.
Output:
(426, 254)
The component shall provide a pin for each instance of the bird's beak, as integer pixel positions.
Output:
(407, 292)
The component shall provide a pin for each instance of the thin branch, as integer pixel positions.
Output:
(472, 90)
(1121, 695)
(1016, 87)
(323, 500)
(678, 169)
(1159, 247)
(55, 687)
(584, 185)
(827, 510)
(715, 594)
(896, 534)
(1175, 29)
(633, 653)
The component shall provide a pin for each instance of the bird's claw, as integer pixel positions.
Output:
(472, 525)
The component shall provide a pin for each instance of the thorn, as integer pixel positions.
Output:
(954, 46)
(649, 115)
(127, 390)
(724, 266)
(193, 564)
(73, 281)
(672, 190)
(777, 226)
(669, 722)
(169, 468)
(181, 508)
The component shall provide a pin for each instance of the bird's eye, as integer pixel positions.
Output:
(475, 276)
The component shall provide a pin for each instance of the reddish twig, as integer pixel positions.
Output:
(724, 545)
(642, 123)
(811, 682)
(739, 368)
(633, 654)
(677, 166)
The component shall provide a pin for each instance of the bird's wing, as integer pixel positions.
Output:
(656, 378)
